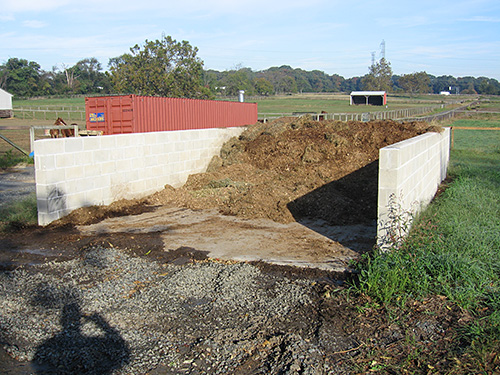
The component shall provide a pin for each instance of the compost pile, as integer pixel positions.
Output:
(294, 168)
(285, 170)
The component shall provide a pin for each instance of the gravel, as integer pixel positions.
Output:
(16, 184)
(109, 312)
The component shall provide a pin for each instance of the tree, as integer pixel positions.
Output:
(488, 86)
(263, 86)
(162, 67)
(351, 84)
(22, 77)
(415, 83)
(89, 76)
(69, 72)
(238, 79)
(379, 76)
(442, 83)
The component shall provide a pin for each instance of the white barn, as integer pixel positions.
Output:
(5, 104)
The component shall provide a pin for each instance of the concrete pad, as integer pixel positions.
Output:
(233, 238)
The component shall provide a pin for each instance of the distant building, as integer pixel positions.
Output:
(5, 104)
(368, 98)
(444, 93)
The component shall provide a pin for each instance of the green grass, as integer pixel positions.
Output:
(453, 248)
(19, 214)
(308, 103)
(11, 159)
(78, 101)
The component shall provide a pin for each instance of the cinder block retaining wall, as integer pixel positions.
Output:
(84, 171)
(409, 175)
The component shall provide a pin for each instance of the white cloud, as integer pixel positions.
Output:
(6, 17)
(482, 19)
(16, 6)
(34, 24)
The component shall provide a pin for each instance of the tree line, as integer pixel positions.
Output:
(166, 67)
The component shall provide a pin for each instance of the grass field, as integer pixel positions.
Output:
(287, 104)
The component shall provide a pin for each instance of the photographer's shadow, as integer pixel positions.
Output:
(99, 349)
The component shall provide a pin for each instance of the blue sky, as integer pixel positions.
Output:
(441, 37)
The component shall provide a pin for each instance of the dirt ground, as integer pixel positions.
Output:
(293, 173)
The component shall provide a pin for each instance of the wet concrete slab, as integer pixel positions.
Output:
(232, 238)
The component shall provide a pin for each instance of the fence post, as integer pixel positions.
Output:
(32, 139)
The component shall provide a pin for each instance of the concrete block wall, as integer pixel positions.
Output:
(83, 171)
(409, 175)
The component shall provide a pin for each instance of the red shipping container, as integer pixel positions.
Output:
(141, 114)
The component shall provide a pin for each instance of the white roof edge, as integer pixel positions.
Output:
(368, 93)
(8, 93)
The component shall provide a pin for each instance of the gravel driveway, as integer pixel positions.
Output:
(111, 312)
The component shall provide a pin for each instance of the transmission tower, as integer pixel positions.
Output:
(373, 58)
(382, 49)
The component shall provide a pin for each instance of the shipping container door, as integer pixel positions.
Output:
(121, 114)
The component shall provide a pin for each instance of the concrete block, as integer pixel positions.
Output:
(42, 205)
(122, 166)
(110, 142)
(92, 143)
(86, 158)
(47, 218)
(102, 155)
(49, 146)
(93, 197)
(124, 140)
(138, 163)
(388, 178)
(54, 176)
(45, 162)
(107, 167)
(76, 200)
(65, 160)
(73, 144)
(74, 173)
(104, 181)
(87, 183)
(118, 154)
(137, 187)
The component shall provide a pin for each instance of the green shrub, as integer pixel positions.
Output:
(19, 214)
(9, 159)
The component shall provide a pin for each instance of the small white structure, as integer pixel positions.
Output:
(368, 98)
(444, 93)
(5, 104)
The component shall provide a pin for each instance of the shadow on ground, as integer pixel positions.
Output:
(352, 222)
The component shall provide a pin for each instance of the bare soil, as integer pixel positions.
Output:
(317, 174)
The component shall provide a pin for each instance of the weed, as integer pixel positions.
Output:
(9, 159)
(19, 214)
(396, 225)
